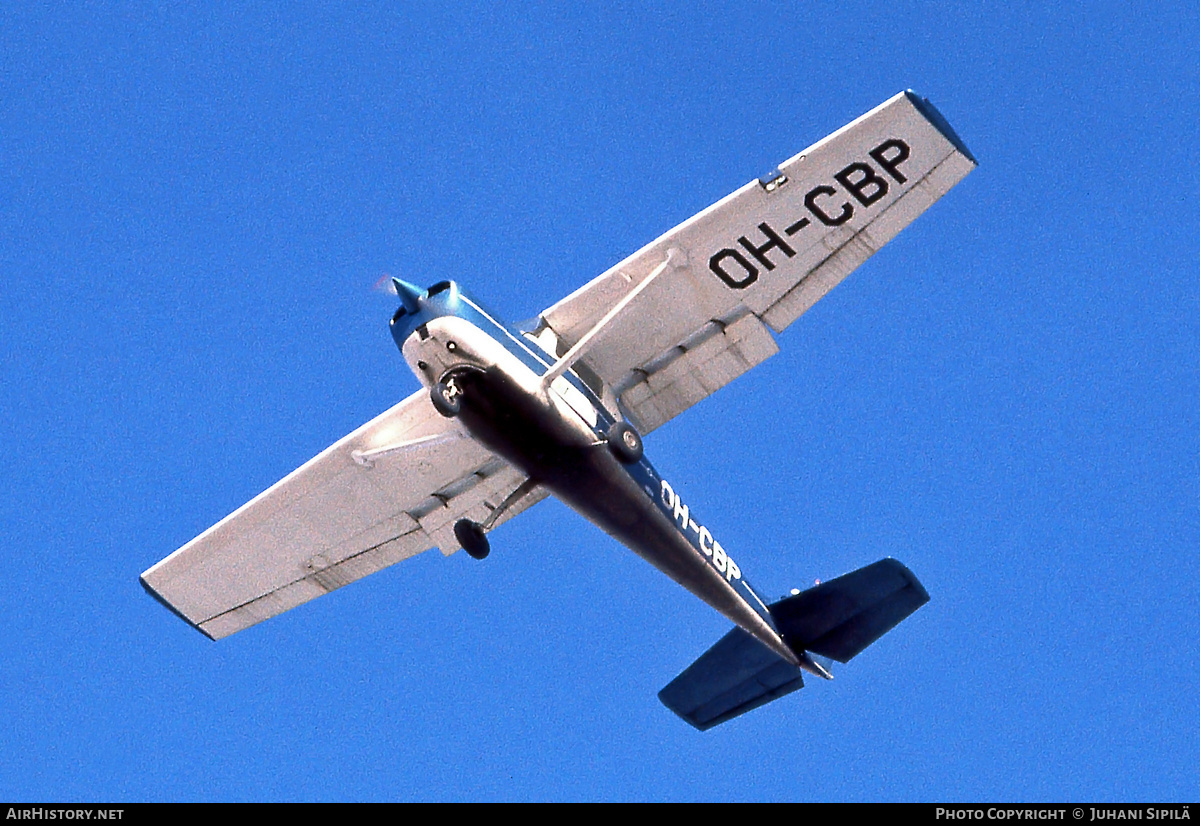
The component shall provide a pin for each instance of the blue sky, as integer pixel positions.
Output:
(197, 201)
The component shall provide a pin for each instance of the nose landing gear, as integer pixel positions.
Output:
(447, 399)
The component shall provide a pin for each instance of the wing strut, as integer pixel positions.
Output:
(675, 258)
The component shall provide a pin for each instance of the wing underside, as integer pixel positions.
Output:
(756, 260)
(388, 491)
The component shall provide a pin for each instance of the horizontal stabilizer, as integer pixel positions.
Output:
(837, 620)
(840, 618)
(736, 675)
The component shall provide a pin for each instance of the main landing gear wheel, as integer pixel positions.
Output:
(447, 398)
(471, 536)
(625, 443)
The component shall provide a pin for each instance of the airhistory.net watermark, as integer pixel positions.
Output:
(43, 813)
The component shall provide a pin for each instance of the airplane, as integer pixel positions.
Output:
(508, 416)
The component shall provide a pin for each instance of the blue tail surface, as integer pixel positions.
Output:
(836, 619)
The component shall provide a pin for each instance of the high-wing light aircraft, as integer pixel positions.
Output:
(508, 416)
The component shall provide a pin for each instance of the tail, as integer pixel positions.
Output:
(835, 620)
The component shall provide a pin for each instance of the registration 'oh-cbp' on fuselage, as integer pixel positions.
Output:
(509, 416)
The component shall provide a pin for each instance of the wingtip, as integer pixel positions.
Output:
(939, 122)
(161, 600)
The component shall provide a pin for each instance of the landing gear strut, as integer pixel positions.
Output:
(473, 535)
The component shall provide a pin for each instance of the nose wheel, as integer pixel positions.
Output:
(625, 443)
(472, 538)
(447, 398)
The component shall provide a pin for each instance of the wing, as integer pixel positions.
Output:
(758, 259)
(388, 491)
